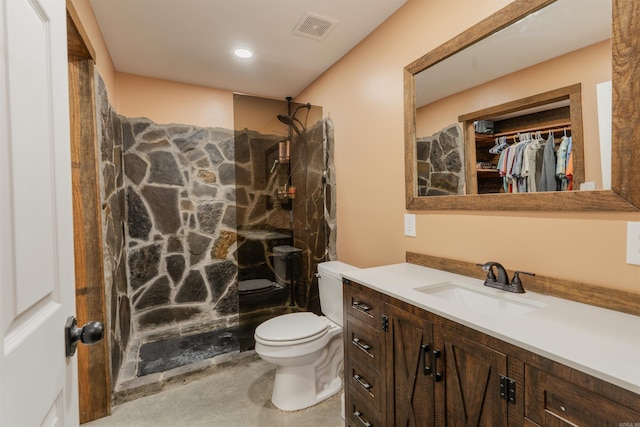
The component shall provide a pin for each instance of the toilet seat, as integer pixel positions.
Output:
(291, 329)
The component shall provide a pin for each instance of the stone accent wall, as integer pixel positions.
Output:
(256, 184)
(264, 221)
(330, 195)
(170, 198)
(308, 212)
(441, 163)
(109, 131)
(181, 228)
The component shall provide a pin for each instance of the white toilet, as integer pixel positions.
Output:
(307, 348)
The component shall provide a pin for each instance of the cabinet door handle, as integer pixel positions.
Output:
(361, 344)
(360, 306)
(358, 416)
(363, 383)
(425, 350)
(437, 376)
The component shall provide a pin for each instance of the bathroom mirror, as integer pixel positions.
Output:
(624, 194)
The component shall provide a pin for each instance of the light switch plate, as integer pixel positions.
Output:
(410, 225)
(633, 243)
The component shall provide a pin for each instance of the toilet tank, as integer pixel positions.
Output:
(330, 288)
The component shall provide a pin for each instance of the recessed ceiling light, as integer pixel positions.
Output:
(243, 53)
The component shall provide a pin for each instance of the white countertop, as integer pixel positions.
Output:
(600, 342)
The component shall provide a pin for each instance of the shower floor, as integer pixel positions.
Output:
(160, 356)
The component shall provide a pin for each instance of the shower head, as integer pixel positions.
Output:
(290, 120)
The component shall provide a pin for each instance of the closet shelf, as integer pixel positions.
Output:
(558, 127)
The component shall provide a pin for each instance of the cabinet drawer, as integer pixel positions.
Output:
(363, 343)
(362, 303)
(364, 382)
(552, 400)
(359, 414)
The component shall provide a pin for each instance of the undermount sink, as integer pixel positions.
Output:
(497, 304)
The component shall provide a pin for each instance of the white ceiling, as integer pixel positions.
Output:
(560, 28)
(192, 41)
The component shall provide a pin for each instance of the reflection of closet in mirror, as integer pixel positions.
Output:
(557, 112)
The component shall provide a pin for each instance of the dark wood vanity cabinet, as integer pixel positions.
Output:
(409, 368)
(436, 377)
(405, 366)
(401, 369)
(364, 357)
(476, 384)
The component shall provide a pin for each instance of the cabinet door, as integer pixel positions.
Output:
(471, 380)
(408, 344)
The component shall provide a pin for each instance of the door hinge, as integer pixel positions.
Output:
(385, 323)
(507, 389)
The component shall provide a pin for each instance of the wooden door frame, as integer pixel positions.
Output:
(94, 377)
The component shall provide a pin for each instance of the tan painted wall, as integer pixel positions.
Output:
(363, 94)
(104, 63)
(162, 101)
(167, 102)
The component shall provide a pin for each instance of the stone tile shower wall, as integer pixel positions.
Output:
(168, 212)
(330, 194)
(440, 160)
(303, 219)
(180, 193)
(109, 131)
(308, 212)
(170, 195)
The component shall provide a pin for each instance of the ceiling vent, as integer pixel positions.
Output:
(314, 26)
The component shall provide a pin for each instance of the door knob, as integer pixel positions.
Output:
(90, 333)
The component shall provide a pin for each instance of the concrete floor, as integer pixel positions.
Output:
(238, 395)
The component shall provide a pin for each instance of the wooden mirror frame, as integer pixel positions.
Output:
(625, 172)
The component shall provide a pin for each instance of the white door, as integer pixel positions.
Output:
(38, 384)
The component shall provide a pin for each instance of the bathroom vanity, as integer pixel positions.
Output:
(427, 347)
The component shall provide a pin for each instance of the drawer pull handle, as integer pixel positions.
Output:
(358, 416)
(361, 344)
(360, 306)
(363, 383)
(437, 376)
(426, 369)
(563, 409)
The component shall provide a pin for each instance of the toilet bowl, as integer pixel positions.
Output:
(307, 348)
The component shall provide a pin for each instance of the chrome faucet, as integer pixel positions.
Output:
(502, 282)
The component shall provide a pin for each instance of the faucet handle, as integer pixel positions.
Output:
(516, 280)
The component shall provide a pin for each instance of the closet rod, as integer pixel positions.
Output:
(555, 128)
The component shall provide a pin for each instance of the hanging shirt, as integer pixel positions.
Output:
(522, 181)
(561, 163)
(532, 161)
(548, 173)
(570, 172)
(502, 168)
(511, 157)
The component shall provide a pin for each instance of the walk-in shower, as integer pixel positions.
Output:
(280, 230)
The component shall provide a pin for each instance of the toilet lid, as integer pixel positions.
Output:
(294, 327)
(253, 285)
